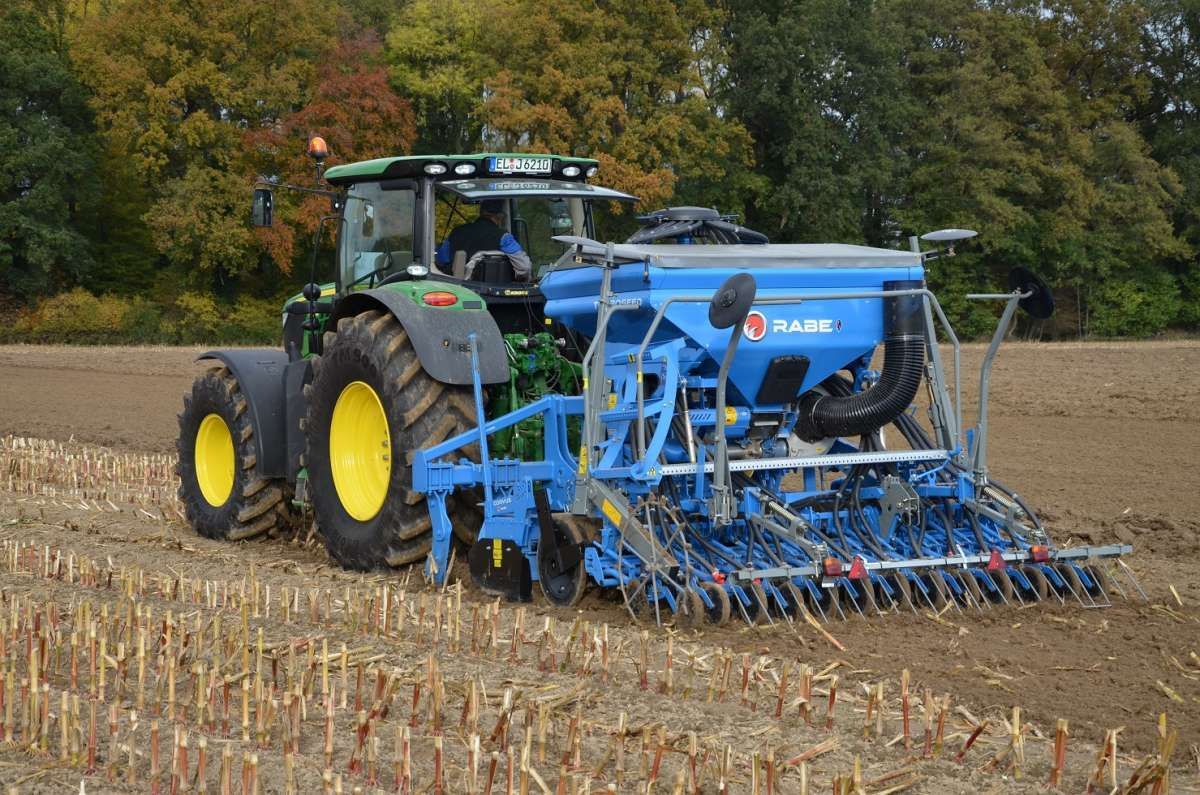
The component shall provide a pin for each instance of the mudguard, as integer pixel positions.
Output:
(439, 336)
(260, 374)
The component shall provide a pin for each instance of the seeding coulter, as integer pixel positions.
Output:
(741, 456)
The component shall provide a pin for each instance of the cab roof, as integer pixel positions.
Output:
(485, 164)
(474, 190)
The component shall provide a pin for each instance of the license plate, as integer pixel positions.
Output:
(520, 165)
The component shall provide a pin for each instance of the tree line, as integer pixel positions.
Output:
(1065, 131)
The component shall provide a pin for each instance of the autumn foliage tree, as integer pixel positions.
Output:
(623, 82)
(175, 86)
(1066, 131)
(357, 113)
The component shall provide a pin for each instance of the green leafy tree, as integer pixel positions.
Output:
(819, 87)
(1170, 120)
(46, 153)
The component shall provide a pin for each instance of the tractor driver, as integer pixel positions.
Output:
(482, 237)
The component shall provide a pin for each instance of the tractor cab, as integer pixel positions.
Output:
(408, 217)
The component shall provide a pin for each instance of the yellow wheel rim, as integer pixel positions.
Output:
(360, 451)
(214, 460)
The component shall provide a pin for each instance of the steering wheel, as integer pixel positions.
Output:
(387, 259)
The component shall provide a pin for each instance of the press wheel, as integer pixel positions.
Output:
(563, 587)
(690, 610)
(1004, 583)
(1037, 578)
(721, 609)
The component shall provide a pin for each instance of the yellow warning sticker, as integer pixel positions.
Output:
(611, 512)
(583, 460)
(612, 400)
(497, 553)
(730, 415)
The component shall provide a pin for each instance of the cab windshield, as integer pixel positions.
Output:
(533, 222)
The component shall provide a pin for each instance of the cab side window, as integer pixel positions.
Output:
(377, 237)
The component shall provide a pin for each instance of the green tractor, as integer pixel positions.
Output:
(433, 252)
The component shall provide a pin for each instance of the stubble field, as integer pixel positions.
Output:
(1101, 438)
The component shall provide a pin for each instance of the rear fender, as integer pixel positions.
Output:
(439, 336)
(260, 373)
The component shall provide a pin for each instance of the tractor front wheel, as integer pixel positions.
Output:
(370, 405)
(222, 493)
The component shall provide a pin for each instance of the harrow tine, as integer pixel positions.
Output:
(1062, 600)
(974, 592)
(1017, 593)
(1116, 583)
(781, 601)
(949, 593)
(881, 590)
(928, 597)
(1083, 589)
(854, 603)
(764, 602)
(1067, 581)
(908, 598)
(1133, 579)
(737, 600)
(821, 611)
(1000, 587)
(837, 604)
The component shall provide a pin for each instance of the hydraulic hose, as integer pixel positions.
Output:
(822, 416)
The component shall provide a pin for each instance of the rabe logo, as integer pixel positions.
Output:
(755, 327)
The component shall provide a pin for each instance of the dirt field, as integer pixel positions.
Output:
(1101, 438)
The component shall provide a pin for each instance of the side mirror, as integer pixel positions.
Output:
(262, 210)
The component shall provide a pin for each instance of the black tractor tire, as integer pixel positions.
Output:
(254, 505)
(375, 349)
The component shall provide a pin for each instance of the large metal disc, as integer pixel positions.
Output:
(732, 301)
(1004, 583)
(757, 610)
(721, 608)
(562, 588)
(1037, 578)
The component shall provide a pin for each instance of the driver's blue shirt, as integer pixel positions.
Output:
(479, 235)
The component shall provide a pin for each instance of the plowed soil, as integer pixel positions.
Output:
(1103, 439)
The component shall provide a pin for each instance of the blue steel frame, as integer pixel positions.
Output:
(962, 539)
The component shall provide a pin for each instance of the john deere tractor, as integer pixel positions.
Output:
(378, 363)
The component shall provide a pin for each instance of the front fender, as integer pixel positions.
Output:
(260, 375)
(439, 336)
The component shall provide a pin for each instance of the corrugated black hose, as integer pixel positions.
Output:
(822, 416)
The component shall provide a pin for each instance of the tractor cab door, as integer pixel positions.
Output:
(379, 233)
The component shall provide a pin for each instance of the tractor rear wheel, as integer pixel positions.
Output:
(370, 405)
(222, 493)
